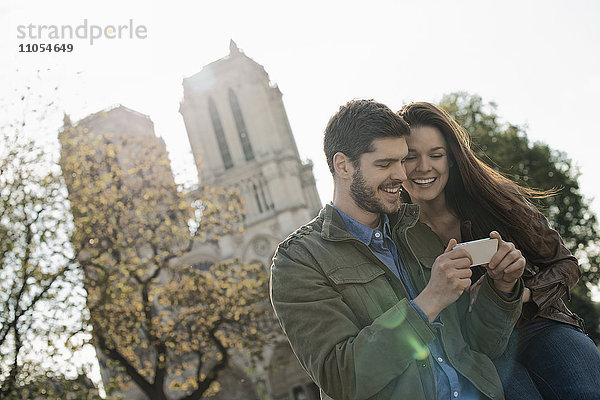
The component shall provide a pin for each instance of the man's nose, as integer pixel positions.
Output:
(399, 172)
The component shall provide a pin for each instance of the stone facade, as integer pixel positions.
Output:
(241, 137)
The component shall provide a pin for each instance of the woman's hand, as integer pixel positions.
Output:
(526, 295)
(506, 266)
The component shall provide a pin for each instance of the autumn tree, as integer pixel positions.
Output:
(41, 297)
(43, 384)
(506, 148)
(166, 327)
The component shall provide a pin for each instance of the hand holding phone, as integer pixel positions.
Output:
(507, 265)
(481, 250)
(450, 278)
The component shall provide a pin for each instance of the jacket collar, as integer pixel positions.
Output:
(335, 229)
(333, 224)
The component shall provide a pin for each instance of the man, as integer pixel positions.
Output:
(368, 309)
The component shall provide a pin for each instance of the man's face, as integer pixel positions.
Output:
(378, 177)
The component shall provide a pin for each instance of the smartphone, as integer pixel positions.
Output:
(481, 250)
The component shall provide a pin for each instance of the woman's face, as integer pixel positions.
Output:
(427, 164)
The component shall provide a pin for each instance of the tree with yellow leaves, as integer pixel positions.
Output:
(164, 326)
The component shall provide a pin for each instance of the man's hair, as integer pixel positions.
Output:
(354, 127)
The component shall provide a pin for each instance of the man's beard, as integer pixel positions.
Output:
(365, 197)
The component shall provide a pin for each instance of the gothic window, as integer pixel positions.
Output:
(258, 202)
(241, 126)
(266, 195)
(262, 195)
(261, 246)
(218, 127)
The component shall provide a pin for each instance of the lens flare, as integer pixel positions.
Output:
(392, 323)
(421, 352)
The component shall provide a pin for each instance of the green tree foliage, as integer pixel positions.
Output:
(506, 148)
(166, 327)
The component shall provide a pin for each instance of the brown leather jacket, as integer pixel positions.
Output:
(550, 273)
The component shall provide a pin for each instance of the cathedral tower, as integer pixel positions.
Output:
(241, 137)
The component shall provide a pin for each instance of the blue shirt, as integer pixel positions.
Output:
(448, 383)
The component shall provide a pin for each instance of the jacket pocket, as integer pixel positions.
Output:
(365, 289)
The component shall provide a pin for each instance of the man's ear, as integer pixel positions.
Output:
(344, 168)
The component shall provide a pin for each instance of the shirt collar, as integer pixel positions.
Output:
(361, 231)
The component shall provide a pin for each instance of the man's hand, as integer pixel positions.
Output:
(506, 266)
(450, 277)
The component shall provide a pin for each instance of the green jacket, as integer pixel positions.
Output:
(350, 323)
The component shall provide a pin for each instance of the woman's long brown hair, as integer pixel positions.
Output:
(475, 191)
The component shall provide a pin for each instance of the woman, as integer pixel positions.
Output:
(460, 197)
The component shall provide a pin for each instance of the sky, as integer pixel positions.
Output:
(539, 61)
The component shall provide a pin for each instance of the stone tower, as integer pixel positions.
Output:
(241, 137)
